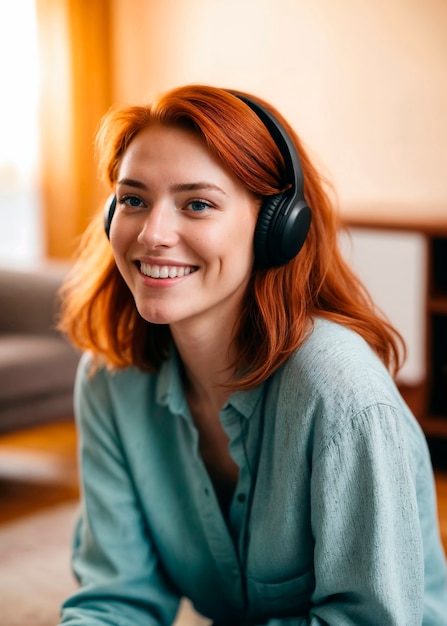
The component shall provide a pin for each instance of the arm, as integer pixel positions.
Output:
(368, 544)
(114, 558)
(369, 564)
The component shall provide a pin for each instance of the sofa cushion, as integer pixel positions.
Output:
(29, 301)
(35, 365)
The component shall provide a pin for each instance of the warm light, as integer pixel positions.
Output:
(19, 87)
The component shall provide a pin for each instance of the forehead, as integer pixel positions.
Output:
(158, 142)
(175, 153)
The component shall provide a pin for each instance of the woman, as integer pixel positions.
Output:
(242, 442)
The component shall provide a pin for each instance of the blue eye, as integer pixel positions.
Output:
(131, 201)
(199, 205)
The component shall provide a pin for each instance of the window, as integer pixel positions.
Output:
(20, 224)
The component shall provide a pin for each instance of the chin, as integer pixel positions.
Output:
(155, 316)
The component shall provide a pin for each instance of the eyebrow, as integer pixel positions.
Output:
(131, 183)
(178, 187)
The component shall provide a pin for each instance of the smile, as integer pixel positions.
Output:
(166, 271)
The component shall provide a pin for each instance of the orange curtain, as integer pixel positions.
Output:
(76, 83)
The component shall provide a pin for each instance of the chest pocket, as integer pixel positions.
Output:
(281, 599)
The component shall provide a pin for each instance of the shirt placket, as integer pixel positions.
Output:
(221, 541)
(234, 425)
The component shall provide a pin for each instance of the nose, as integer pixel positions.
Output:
(159, 228)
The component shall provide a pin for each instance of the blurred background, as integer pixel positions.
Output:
(365, 86)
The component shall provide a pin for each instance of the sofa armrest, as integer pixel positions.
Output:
(29, 298)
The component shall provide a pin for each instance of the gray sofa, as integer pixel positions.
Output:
(37, 365)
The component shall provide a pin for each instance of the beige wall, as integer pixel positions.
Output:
(364, 83)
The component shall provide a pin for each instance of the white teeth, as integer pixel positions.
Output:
(165, 271)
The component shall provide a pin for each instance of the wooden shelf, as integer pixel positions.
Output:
(428, 401)
(435, 426)
(431, 220)
(437, 304)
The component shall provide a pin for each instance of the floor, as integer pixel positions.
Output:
(38, 470)
(38, 506)
(441, 489)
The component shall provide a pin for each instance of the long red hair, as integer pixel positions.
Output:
(98, 311)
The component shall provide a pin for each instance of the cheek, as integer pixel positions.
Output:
(234, 244)
(120, 241)
(244, 234)
(120, 236)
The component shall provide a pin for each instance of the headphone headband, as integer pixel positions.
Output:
(281, 138)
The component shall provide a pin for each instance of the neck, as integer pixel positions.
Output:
(207, 359)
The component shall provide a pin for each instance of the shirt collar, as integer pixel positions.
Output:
(170, 391)
(169, 385)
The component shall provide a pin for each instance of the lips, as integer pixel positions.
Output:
(166, 271)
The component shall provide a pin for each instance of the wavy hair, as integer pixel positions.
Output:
(98, 311)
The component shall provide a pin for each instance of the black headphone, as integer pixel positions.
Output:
(284, 218)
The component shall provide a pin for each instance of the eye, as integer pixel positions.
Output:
(199, 206)
(131, 201)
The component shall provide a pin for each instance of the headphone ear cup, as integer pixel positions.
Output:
(281, 230)
(108, 213)
(267, 215)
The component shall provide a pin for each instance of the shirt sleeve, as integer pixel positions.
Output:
(368, 544)
(369, 563)
(121, 579)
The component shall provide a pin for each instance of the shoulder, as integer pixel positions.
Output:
(93, 376)
(113, 392)
(334, 358)
(333, 380)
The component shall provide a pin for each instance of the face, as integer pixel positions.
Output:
(182, 233)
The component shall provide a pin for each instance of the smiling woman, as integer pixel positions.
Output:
(243, 443)
(20, 236)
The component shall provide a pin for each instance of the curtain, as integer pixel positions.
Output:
(76, 91)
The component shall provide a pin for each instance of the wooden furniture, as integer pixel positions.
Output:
(428, 400)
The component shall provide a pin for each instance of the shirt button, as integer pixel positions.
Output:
(241, 497)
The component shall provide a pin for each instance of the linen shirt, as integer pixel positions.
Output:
(333, 520)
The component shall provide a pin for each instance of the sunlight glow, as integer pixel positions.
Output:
(21, 240)
(19, 78)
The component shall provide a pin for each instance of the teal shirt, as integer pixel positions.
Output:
(333, 520)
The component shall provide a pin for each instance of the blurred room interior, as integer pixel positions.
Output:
(364, 84)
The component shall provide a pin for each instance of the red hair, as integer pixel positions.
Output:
(98, 310)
